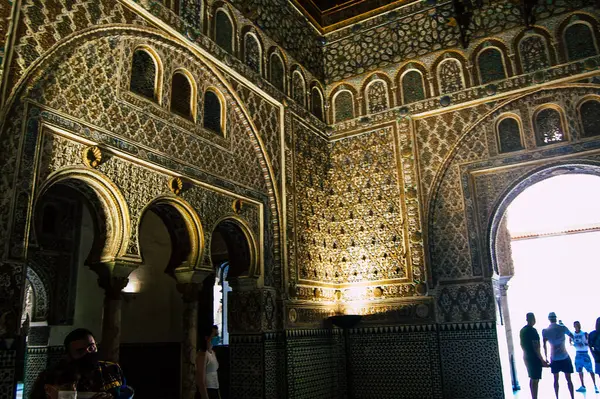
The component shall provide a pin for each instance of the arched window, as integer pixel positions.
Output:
(182, 96)
(276, 72)
(252, 52)
(450, 76)
(413, 89)
(377, 96)
(224, 31)
(589, 112)
(509, 135)
(549, 128)
(491, 65)
(316, 99)
(343, 105)
(298, 88)
(579, 41)
(213, 112)
(144, 73)
(533, 53)
(220, 305)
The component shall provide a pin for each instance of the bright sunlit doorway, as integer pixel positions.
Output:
(553, 228)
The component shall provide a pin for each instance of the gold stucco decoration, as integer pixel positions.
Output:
(378, 292)
(293, 315)
(92, 156)
(176, 185)
(237, 205)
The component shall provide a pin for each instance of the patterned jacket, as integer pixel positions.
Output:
(108, 377)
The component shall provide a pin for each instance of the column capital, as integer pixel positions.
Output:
(113, 276)
(243, 283)
(189, 291)
(195, 276)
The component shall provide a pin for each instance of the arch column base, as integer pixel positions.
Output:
(113, 276)
(189, 284)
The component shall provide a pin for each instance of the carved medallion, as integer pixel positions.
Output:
(293, 315)
(237, 205)
(378, 292)
(422, 311)
(92, 157)
(176, 185)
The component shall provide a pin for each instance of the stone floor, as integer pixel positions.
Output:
(547, 389)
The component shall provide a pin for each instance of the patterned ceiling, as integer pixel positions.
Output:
(328, 15)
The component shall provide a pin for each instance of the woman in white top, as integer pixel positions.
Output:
(207, 379)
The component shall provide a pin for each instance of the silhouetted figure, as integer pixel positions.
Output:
(560, 361)
(582, 356)
(530, 343)
(82, 371)
(594, 343)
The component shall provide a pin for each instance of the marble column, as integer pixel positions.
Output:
(189, 293)
(503, 288)
(111, 320)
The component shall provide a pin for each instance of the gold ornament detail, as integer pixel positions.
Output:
(378, 292)
(176, 185)
(92, 157)
(237, 205)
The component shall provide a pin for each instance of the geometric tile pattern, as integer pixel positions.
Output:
(36, 361)
(247, 367)
(7, 373)
(470, 361)
(395, 363)
(315, 364)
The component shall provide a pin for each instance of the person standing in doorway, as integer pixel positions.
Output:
(530, 342)
(560, 361)
(582, 356)
(207, 378)
(594, 343)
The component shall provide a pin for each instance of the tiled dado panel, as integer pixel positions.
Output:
(7, 373)
(247, 366)
(400, 362)
(470, 361)
(315, 364)
(37, 360)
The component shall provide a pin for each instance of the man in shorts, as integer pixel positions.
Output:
(594, 343)
(560, 361)
(582, 356)
(530, 342)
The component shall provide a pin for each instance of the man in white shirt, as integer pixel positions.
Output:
(582, 356)
(560, 361)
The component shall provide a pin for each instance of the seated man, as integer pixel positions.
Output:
(81, 371)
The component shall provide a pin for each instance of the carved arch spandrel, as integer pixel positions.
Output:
(232, 97)
(468, 175)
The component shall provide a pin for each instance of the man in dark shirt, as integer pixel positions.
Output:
(530, 342)
(81, 371)
(594, 343)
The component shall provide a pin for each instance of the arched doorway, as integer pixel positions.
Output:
(69, 232)
(543, 245)
(153, 311)
(233, 257)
